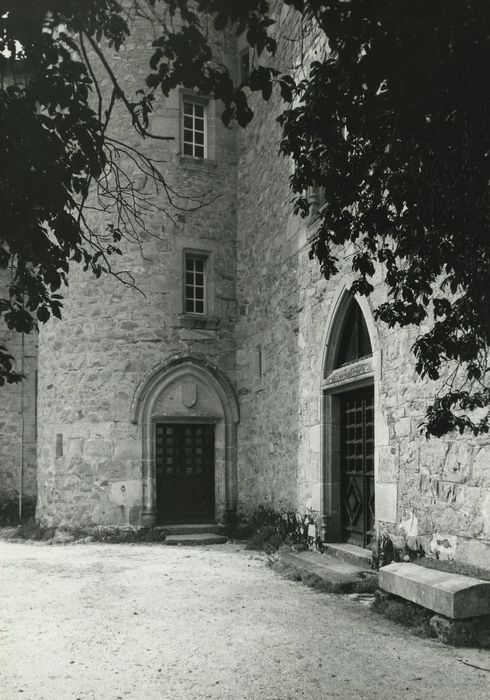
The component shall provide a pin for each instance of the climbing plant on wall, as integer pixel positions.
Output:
(391, 122)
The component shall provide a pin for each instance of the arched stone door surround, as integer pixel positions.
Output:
(186, 389)
(336, 382)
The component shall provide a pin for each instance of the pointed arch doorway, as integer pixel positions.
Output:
(348, 408)
(187, 414)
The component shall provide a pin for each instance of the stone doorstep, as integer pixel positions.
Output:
(328, 568)
(191, 529)
(454, 596)
(350, 553)
(199, 538)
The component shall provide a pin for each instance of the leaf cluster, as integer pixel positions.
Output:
(394, 127)
(52, 146)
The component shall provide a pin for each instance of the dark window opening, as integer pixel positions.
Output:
(244, 65)
(354, 340)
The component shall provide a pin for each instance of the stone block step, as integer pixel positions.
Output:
(325, 566)
(452, 595)
(192, 529)
(194, 539)
(349, 553)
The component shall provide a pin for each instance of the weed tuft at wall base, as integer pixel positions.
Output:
(385, 552)
(270, 529)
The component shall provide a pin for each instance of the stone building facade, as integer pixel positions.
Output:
(18, 428)
(238, 377)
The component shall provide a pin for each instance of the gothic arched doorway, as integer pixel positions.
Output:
(348, 402)
(188, 414)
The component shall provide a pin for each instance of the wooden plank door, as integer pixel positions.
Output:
(184, 455)
(357, 466)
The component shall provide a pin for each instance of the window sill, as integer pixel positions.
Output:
(209, 323)
(197, 163)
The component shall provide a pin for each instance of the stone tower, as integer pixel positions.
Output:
(129, 362)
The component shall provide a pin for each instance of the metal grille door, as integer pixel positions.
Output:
(184, 456)
(357, 466)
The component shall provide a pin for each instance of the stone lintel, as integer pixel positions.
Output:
(451, 595)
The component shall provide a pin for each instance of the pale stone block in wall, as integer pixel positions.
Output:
(103, 513)
(316, 496)
(481, 467)
(113, 469)
(127, 449)
(432, 455)
(443, 546)
(382, 428)
(458, 463)
(315, 438)
(85, 428)
(73, 446)
(386, 495)
(409, 453)
(475, 552)
(409, 525)
(486, 514)
(388, 464)
(403, 427)
(99, 448)
(125, 493)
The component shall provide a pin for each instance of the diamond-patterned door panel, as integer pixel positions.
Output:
(353, 502)
(357, 466)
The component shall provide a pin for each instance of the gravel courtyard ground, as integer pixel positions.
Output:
(145, 621)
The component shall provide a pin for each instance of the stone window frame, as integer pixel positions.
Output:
(190, 290)
(365, 372)
(191, 143)
(207, 256)
(209, 320)
(186, 95)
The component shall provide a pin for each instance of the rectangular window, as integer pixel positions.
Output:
(195, 284)
(194, 141)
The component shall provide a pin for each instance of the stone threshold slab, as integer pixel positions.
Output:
(452, 595)
(195, 539)
(349, 553)
(191, 529)
(325, 566)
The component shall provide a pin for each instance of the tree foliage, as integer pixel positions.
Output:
(394, 126)
(391, 124)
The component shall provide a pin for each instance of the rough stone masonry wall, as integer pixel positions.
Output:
(90, 455)
(18, 427)
(432, 493)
